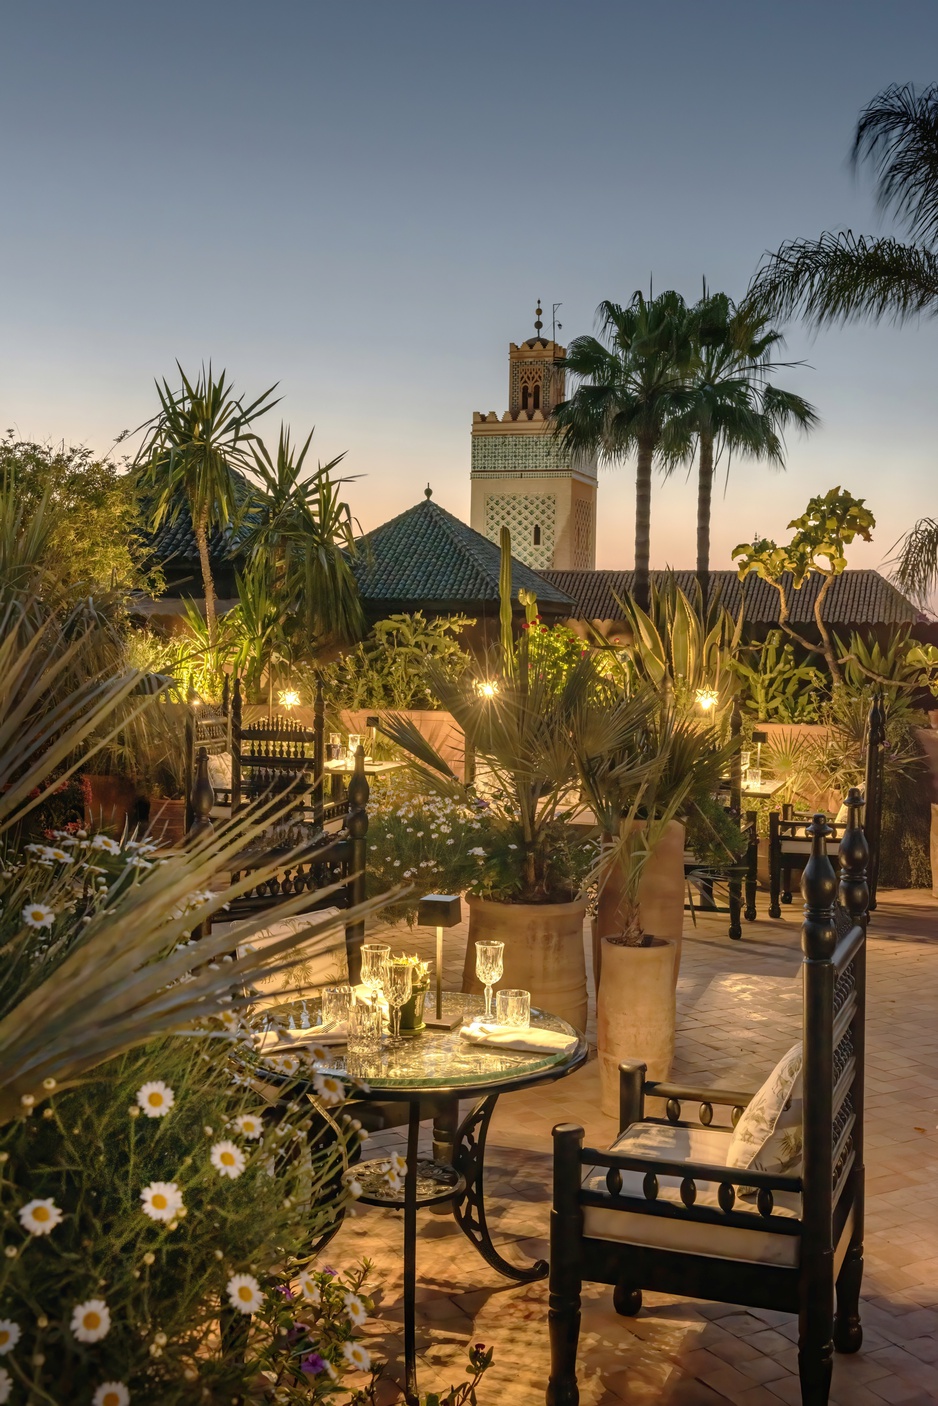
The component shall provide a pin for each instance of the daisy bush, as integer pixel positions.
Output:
(431, 842)
(153, 1219)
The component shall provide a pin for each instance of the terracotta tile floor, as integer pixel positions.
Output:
(738, 1010)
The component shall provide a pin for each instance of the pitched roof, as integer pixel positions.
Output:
(173, 543)
(427, 557)
(855, 598)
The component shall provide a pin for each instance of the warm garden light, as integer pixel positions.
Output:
(707, 698)
(486, 688)
(288, 698)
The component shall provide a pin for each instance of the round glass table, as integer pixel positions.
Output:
(433, 1071)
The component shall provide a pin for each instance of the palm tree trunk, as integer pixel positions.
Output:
(646, 450)
(208, 585)
(704, 497)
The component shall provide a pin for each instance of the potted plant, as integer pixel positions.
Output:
(412, 1011)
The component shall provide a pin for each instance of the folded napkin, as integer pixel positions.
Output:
(535, 1039)
(279, 1041)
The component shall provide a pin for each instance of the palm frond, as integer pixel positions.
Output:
(898, 133)
(916, 560)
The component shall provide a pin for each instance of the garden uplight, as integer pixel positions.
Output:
(707, 698)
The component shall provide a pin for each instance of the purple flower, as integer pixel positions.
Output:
(313, 1364)
(285, 1290)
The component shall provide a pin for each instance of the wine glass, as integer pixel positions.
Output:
(398, 987)
(375, 956)
(489, 968)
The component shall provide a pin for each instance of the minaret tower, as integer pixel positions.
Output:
(522, 478)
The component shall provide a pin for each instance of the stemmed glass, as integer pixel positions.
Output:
(375, 958)
(489, 968)
(398, 987)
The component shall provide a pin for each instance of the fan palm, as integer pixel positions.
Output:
(305, 532)
(632, 383)
(916, 560)
(190, 458)
(733, 407)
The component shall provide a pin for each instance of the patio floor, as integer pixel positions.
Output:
(739, 1009)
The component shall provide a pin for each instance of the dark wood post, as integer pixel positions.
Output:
(236, 747)
(319, 751)
(201, 800)
(855, 898)
(873, 811)
(357, 825)
(190, 760)
(566, 1233)
(816, 1298)
(752, 865)
(775, 864)
(631, 1093)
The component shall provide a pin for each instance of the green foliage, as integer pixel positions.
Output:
(917, 560)
(902, 665)
(90, 537)
(389, 668)
(675, 652)
(712, 836)
(777, 687)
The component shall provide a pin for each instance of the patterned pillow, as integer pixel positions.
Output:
(768, 1136)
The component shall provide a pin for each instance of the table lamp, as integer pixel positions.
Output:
(440, 910)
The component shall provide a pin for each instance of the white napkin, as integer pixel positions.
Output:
(535, 1039)
(273, 1041)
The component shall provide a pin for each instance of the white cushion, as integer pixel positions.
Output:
(663, 1232)
(792, 846)
(326, 964)
(768, 1136)
(219, 770)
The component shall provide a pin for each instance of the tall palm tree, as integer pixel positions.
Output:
(302, 531)
(733, 406)
(190, 459)
(843, 276)
(632, 383)
(916, 560)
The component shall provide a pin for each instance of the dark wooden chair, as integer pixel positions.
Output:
(649, 1214)
(733, 878)
(788, 848)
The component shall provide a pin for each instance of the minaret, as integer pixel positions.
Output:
(522, 478)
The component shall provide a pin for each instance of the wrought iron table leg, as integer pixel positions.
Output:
(445, 1128)
(469, 1208)
(410, 1258)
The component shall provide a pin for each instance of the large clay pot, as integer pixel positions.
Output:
(543, 952)
(635, 1013)
(168, 822)
(111, 803)
(661, 894)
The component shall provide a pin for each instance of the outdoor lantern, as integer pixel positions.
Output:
(288, 698)
(440, 910)
(707, 698)
(486, 688)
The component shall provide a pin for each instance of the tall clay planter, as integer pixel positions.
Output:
(661, 895)
(635, 1013)
(543, 952)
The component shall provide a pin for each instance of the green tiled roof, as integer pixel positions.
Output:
(425, 557)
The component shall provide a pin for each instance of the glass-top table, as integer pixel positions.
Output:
(434, 1070)
(433, 1061)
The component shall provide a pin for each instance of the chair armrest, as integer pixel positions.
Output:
(692, 1171)
(729, 1098)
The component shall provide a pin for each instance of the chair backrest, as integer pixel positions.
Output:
(277, 757)
(834, 970)
(208, 729)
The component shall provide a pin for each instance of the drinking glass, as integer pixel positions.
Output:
(335, 1004)
(489, 968)
(513, 1008)
(754, 778)
(364, 1027)
(397, 988)
(375, 967)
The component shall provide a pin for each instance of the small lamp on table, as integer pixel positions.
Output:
(440, 910)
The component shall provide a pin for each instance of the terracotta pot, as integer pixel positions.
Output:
(543, 952)
(168, 822)
(661, 893)
(635, 1013)
(112, 804)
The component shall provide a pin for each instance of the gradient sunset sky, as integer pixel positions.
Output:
(364, 200)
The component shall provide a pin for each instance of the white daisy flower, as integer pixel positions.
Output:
(355, 1309)
(155, 1098)
(91, 1321)
(318, 1054)
(244, 1293)
(285, 1064)
(58, 855)
(111, 1394)
(393, 1181)
(329, 1088)
(106, 844)
(478, 852)
(6, 1384)
(9, 1335)
(399, 1164)
(356, 1356)
(161, 1200)
(352, 1185)
(308, 1287)
(38, 915)
(249, 1125)
(229, 1019)
(227, 1158)
(39, 1216)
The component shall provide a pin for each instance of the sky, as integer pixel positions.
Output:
(363, 202)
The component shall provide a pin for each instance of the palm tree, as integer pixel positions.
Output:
(841, 276)
(191, 457)
(733, 407)
(302, 531)
(916, 560)
(631, 385)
